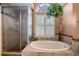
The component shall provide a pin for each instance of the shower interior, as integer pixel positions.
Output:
(15, 22)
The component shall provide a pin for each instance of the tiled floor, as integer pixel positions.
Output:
(11, 54)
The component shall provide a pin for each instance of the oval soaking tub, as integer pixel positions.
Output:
(50, 45)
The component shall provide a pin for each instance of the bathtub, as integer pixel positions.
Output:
(50, 45)
(47, 48)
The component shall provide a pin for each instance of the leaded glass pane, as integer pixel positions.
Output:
(42, 8)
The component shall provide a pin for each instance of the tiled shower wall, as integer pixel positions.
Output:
(12, 28)
(9, 22)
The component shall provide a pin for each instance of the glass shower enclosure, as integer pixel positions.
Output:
(15, 22)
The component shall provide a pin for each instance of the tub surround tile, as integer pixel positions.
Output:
(29, 51)
(75, 47)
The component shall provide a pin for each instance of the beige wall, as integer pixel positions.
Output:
(69, 22)
(70, 26)
(0, 32)
(58, 24)
(76, 13)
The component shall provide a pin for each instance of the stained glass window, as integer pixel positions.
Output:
(42, 7)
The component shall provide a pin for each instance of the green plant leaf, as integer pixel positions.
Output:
(54, 10)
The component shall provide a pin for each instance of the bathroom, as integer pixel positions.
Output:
(27, 31)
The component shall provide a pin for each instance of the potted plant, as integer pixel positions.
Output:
(54, 10)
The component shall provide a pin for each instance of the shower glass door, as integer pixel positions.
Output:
(14, 28)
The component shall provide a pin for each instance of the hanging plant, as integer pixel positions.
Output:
(54, 10)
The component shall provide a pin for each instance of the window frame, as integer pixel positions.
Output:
(45, 25)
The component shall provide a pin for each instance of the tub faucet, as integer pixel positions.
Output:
(70, 45)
